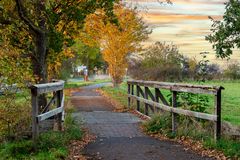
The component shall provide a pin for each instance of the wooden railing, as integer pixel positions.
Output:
(43, 114)
(154, 104)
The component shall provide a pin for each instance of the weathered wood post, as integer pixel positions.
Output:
(129, 98)
(35, 110)
(156, 95)
(132, 93)
(59, 104)
(174, 105)
(138, 95)
(146, 97)
(217, 130)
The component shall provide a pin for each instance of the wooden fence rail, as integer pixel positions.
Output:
(58, 97)
(142, 89)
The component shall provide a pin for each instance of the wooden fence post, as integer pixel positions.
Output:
(35, 110)
(132, 93)
(138, 94)
(217, 130)
(174, 104)
(146, 97)
(129, 98)
(156, 95)
(59, 115)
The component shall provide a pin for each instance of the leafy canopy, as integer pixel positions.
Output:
(116, 41)
(42, 31)
(226, 33)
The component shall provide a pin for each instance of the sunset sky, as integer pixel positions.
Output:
(184, 23)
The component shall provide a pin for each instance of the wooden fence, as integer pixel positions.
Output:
(43, 114)
(154, 104)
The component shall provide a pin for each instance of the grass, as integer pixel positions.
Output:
(230, 98)
(161, 124)
(51, 145)
(119, 94)
(83, 83)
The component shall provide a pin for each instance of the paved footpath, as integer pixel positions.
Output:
(118, 134)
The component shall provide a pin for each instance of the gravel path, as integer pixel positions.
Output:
(118, 134)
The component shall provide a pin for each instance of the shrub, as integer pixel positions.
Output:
(160, 62)
(232, 72)
(159, 123)
(15, 116)
(51, 145)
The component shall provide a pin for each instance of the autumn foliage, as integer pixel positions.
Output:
(116, 40)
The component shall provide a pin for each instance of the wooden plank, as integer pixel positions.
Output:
(204, 89)
(217, 134)
(132, 92)
(193, 90)
(138, 102)
(49, 114)
(159, 94)
(146, 104)
(129, 98)
(52, 112)
(35, 125)
(47, 87)
(206, 116)
(150, 94)
(141, 91)
(60, 103)
(174, 115)
(50, 102)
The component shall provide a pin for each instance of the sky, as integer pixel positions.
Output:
(184, 23)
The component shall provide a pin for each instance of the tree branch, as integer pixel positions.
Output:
(22, 15)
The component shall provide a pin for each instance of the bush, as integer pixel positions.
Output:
(51, 145)
(160, 62)
(159, 123)
(232, 72)
(15, 116)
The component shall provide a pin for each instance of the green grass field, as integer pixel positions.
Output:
(83, 83)
(230, 98)
(230, 101)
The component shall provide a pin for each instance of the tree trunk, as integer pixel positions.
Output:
(115, 83)
(39, 34)
(39, 63)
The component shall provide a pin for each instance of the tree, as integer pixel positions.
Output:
(116, 40)
(225, 33)
(89, 56)
(42, 29)
(160, 61)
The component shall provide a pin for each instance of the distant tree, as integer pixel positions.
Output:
(232, 71)
(193, 63)
(89, 56)
(116, 40)
(160, 61)
(225, 34)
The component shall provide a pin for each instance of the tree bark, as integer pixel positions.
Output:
(39, 35)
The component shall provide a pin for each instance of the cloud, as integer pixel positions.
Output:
(185, 23)
(165, 18)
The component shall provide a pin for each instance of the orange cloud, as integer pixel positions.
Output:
(158, 18)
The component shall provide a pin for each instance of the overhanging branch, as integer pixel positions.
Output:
(22, 15)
